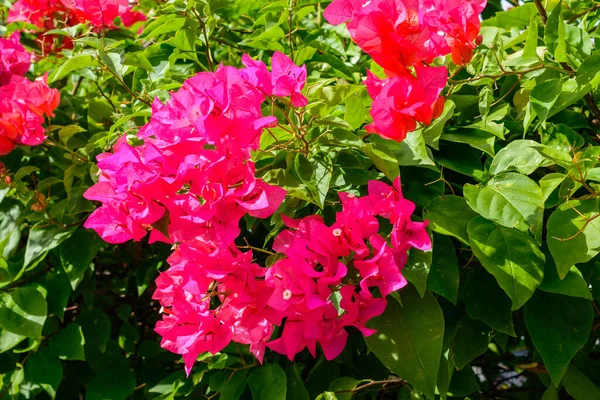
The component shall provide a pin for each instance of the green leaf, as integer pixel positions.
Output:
(383, 158)
(137, 59)
(471, 340)
(316, 174)
(554, 35)
(475, 138)
(573, 236)
(8, 340)
(411, 151)
(443, 276)
(579, 386)
(23, 311)
(409, 339)
(77, 253)
(432, 133)
(515, 17)
(68, 343)
(558, 332)
(162, 25)
(449, 215)
(573, 284)
(235, 386)
(511, 199)
(10, 234)
(530, 49)
(42, 240)
(549, 183)
(486, 301)
(44, 369)
(417, 269)
(550, 394)
(510, 255)
(114, 385)
(269, 39)
(463, 382)
(96, 328)
(268, 383)
(486, 98)
(72, 64)
(295, 386)
(518, 156)
(344, 384)
(544, 96)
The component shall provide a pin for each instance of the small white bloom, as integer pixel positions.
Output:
(287, 294)
(337, 232)
(440, 33)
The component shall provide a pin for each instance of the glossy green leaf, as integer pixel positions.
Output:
(443, 276)
(486, 301)
(68, 343)
(409, 339)
(510, 255)
(268, 382)
(517, 156)
(574, 233)
(558, 332)
(45, 370)
(471, 340)
(23, 311)
(512, 200)
(579, 385)
(449, 215)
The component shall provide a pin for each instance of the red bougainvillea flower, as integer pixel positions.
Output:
(99, 13)
(402, 33)
(14, 59)
(23, 104)
(56, 14)
(318, 258)
(399, 103)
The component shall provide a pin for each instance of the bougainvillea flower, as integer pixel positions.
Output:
(288, 79)
(400, 33)
(99, 13)
(14, 59)
(399, 103)
(23, 108)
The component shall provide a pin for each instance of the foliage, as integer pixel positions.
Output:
(507, 174)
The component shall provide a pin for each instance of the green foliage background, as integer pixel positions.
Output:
(505, 306)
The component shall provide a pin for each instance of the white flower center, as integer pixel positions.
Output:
(287, 294)
(337, 232)
(440, 33)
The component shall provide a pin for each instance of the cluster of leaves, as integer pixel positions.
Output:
(506, 305)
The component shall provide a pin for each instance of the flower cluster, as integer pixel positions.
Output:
(23, 104)
(400, 35)
(48, 15)
(324, 282)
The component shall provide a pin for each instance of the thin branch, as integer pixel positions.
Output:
(541, 11)
(581, 14)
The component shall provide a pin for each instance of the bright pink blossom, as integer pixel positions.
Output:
(14, 59)
(403, 33)
(399, 103)
(23, 108)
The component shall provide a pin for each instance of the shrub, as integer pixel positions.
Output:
(297, 200)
